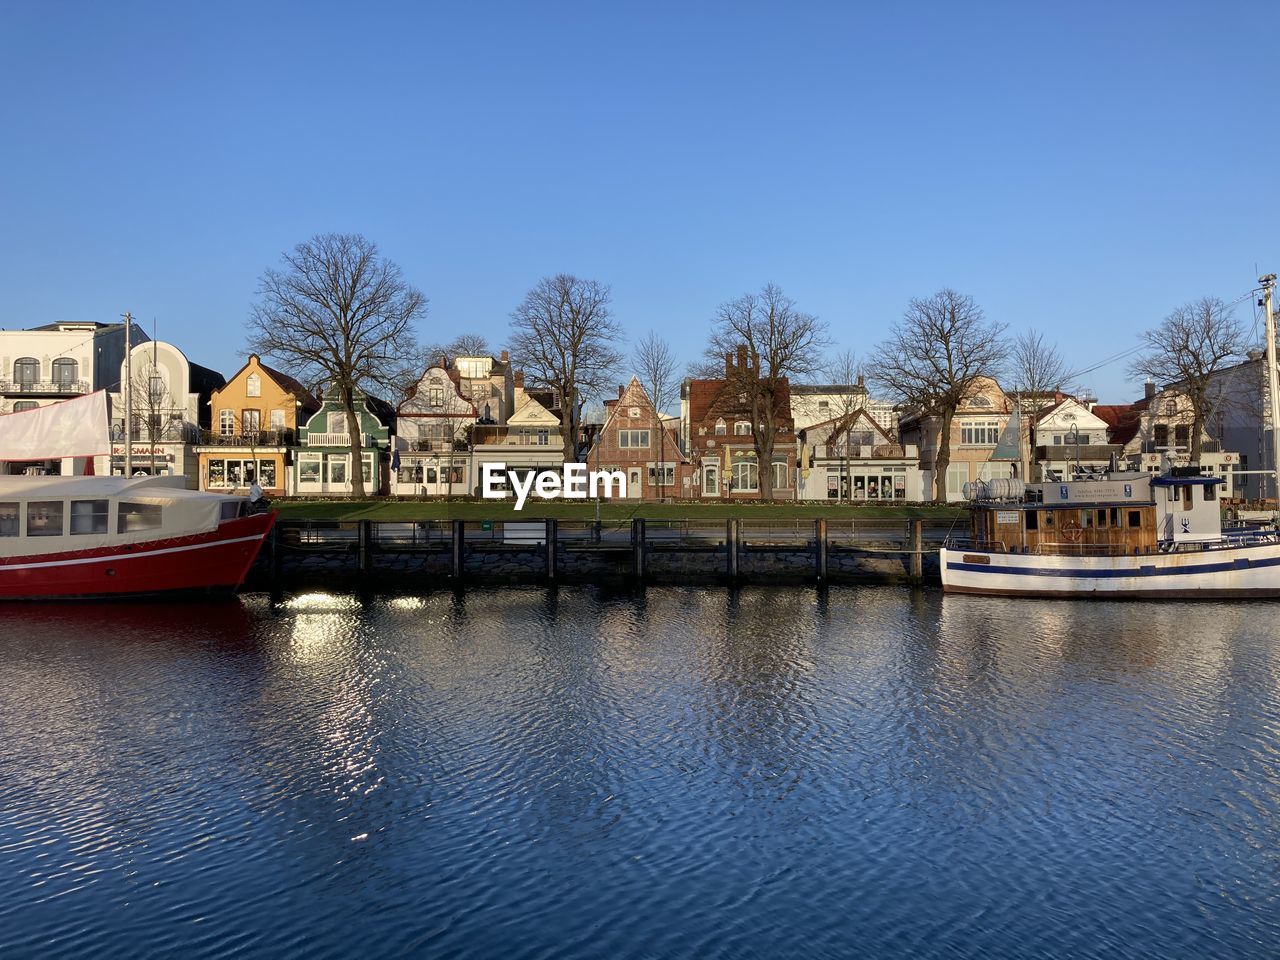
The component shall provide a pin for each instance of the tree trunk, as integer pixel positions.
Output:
(764, 463)
(353, 431)
(942, 459)
(1197, 429)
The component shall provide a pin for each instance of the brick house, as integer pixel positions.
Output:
(717, 432)
(642, 443)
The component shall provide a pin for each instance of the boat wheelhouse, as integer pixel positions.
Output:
(1113, 535)
(115, 536)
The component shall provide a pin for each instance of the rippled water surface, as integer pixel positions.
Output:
(673, 773)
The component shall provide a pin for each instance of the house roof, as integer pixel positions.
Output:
(1122, 419)
(291, 385)
(858, 414)
(707, 400)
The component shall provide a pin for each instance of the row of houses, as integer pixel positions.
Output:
(833, 442)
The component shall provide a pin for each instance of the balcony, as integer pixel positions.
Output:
(57, 388)
(1067, 452)
(437, 446)
(1176, 445)
(258, 438)
(337, 440)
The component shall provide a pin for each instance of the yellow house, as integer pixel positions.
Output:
(254, 424)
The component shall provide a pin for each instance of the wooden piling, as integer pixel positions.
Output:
(459, 534)
(364, 538)
(551, 550)
(820, 548)
(637, 549)
(917, 550)
(731, 533)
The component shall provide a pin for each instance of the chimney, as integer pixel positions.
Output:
(1149, 388)
(621, 391)
(742, 358)
(862, 382)
(728, 365)
(444, 362)
(506, 357)
(519, 379)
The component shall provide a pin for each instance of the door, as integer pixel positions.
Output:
(634, 490)
(710, 481)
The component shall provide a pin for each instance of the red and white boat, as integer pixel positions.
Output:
(63, 537)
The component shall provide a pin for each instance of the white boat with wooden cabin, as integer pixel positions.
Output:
(1110, 535)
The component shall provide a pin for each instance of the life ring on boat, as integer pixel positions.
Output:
(1071, 531)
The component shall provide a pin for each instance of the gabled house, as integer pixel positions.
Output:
(975, 432)
(322, 465)
(253, 427)
(489, 383)
(644, 444)
(718, 437)
(169, 407)
(855, 458)
(1068, 437)
(434, 425)
(529, 442)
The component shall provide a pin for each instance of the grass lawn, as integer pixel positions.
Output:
(408, 510)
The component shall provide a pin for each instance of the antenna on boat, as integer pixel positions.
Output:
(127, 394)
(1268, 283)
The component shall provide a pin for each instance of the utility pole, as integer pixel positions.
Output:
(1268, 283)
(126, 394)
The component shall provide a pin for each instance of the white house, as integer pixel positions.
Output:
(56, 362)
(433, 431)
(1068, 436)
(529, 441)
(856, 459)
(169, 399)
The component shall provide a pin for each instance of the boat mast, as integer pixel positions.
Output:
(127, 394)
(1268, 283)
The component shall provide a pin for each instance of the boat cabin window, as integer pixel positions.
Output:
(1135, 518)
(44, 518)
(231, 509)
(1048, 518)
(1033, 520)
(1115, 516)
(1186, 497)
(1208, 491)
(1102, 518)
(1086, 519)
(138, 516)
(8, 519)
(89, 516)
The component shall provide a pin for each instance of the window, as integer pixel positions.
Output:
(746, 476)
(217, 473)
(227, 423)
(666, 477)
(1102, 518)
(65, 372)
(20, 405)
(44, 518)
(410, 472)
(155, 388)
(983, 433)
(431, 475)
(435, 396)
(544, 436)
(1182, 435)
(824, 407)
(1033, 519)
(336, 422)
(251, 421)
(366, 470)
(277, 420)
(253, 386)
(267, 473)
(473, 367)
(638, 439)
(1160, 434)
(781, 479)
(1171, 408)
(309, 468)
(861, 438)
(1048, 519)
(134, 517)
(337, 468)
(742, 428)
(8, 519)
(634, 413)
(710, 481)
(26, 372)
(957, 477)
(720, 428)
(1135, 518)
(1208, 491)
(88, 516)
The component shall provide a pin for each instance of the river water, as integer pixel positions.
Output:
(667, 773)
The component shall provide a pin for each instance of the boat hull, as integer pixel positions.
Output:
(212, 562)
(1228, 571)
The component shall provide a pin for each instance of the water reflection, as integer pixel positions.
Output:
(672, 772)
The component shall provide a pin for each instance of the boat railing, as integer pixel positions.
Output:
(1229, 539)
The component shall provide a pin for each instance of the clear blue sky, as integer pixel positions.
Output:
(1081, 168)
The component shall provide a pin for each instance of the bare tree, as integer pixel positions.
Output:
(468, 345)
(1037, 368)
(778, 342)
(844, 371)
(932, 360)
(1184, 352)
(656, 363)
(338, 312)
(563, 333)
